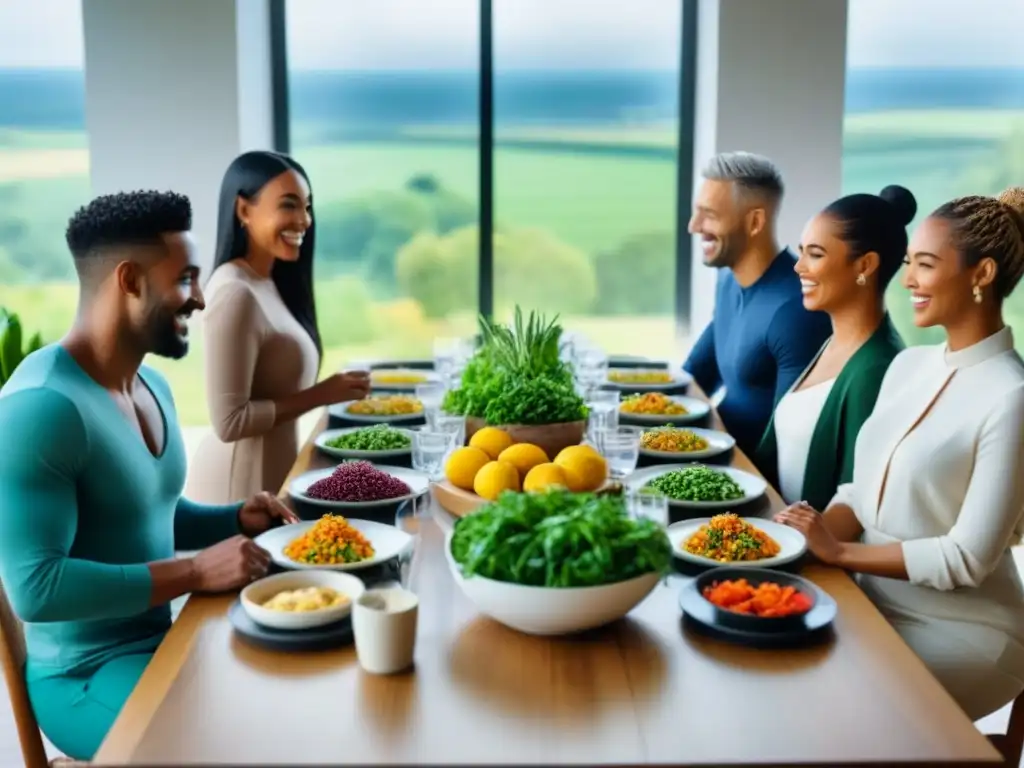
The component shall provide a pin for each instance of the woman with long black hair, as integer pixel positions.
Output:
(262, 344)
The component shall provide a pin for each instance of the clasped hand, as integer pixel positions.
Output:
(238, 561)
(820, 541)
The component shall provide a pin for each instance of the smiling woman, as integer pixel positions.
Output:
(262, 344)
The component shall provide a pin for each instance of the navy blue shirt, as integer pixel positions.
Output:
(759, 341)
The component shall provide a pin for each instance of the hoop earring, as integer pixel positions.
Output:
(977, 294)
(861, 280)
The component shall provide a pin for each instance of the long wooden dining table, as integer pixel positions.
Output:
(644, 690)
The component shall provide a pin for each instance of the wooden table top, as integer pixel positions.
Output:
(644, 690)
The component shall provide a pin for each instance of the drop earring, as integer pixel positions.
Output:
(861, 280)
(977, 294)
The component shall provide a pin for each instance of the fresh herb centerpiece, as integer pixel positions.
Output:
(516, 380)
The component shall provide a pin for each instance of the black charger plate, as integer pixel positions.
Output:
(813, 626)
(323, 638)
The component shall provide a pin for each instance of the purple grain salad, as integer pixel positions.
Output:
(358, 481)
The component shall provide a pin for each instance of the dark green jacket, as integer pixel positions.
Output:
(830, 459)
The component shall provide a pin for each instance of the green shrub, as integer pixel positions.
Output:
(638, 276)
(345, 312)
(532, 268)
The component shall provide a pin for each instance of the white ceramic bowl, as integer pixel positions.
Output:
(260, 591)
(547, 610)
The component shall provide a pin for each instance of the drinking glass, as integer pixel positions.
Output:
(591, 367)
(620, 447)
(649, 503)
(431, 395)
(429, 450)
(408, 519)
(453, 426)
(603, 405)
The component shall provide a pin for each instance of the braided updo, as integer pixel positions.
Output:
(990, 227)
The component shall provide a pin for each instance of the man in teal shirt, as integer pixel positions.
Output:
(92, 466)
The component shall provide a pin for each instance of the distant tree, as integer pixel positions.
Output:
(637, 277)
(532, 267)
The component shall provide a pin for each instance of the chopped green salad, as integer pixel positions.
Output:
(379, 437)
(697, 484)
(559, 539)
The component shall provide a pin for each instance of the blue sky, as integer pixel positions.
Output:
(640, 34)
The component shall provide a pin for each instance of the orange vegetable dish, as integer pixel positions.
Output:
(767, 600)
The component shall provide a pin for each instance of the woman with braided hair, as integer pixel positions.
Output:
(937, 497)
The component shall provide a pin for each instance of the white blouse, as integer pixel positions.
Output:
(939, 467)
(796, 416)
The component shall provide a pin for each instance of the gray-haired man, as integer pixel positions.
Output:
(760, 338)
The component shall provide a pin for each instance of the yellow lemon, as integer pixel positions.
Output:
(585, 469)
(544, 476)
(491, 441)
(495, 477)
(462, 466)
(524, 457)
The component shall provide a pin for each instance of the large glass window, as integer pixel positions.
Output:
(384, 111)
(935, 102)
(586, 111)
(44, 159)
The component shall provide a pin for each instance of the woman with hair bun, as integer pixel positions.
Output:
(937, 497)
(849, 253)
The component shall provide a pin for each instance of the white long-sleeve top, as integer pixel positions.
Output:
(939, 467)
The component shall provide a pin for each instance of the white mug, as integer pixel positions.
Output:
(384, 624)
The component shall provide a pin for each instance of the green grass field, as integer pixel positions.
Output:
(590, 201)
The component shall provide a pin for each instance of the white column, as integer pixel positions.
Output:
(175, 89)
(770, 80)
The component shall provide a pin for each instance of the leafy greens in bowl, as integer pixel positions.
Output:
(558, 539)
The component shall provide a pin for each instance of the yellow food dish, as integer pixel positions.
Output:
(671, 440)
(390, 377)
(331, 541)
(386, 405)
(641, 377)
(652, 404)
(728, 539)
(305, 600)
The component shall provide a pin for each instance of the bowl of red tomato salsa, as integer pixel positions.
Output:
(757, 599)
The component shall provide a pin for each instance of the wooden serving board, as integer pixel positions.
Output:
(454, 500)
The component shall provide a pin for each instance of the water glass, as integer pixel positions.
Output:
(429, 451)
(620, 447)
(453, 426)
(603, 405)
(649, 503)
(592, 367)
(431, 395)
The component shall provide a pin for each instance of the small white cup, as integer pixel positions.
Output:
(384, 624)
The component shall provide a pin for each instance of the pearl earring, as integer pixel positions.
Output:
(861, 280)
(977, 294)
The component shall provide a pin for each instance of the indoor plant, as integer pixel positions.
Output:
(517, 381)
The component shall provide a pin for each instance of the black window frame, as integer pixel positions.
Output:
(485, 279)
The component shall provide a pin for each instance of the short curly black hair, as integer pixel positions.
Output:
(127, 218)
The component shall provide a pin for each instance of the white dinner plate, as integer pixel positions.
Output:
(340, 411)
(680, 378)
(696, 409)
(429, 377)
(792, 543)
(343, 453)
(753, 487)
(388, 542)
(718, 443)
(418, 482)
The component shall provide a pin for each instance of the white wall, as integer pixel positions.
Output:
(770, 80)
(175, 89)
